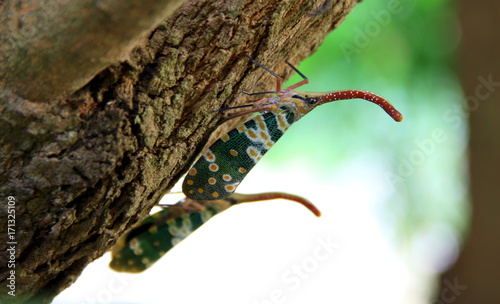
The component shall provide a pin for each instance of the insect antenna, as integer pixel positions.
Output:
(235, 107)
(258, 93)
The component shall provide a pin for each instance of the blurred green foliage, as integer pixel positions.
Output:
(404, 51)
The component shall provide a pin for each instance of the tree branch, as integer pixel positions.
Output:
(84, 169)
(53, 47)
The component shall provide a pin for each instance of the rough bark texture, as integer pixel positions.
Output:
(475, 278)
(82, 168)
(50, 47)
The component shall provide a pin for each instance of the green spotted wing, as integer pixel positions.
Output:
(225, 164)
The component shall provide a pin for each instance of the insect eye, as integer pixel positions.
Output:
(308, 100)
(311, 100)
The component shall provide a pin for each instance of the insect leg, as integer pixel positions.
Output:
(300, 83)
(258, 106)
(279, 80)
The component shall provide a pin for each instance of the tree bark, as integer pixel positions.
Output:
(475, 277)
(82, 161)
(52, 47)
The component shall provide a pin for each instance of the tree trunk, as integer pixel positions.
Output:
(91, 141)
(475, 278)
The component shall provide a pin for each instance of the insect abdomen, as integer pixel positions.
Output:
(226, 163)
(155, 236)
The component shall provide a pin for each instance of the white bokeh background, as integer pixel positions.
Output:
(267, 252)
